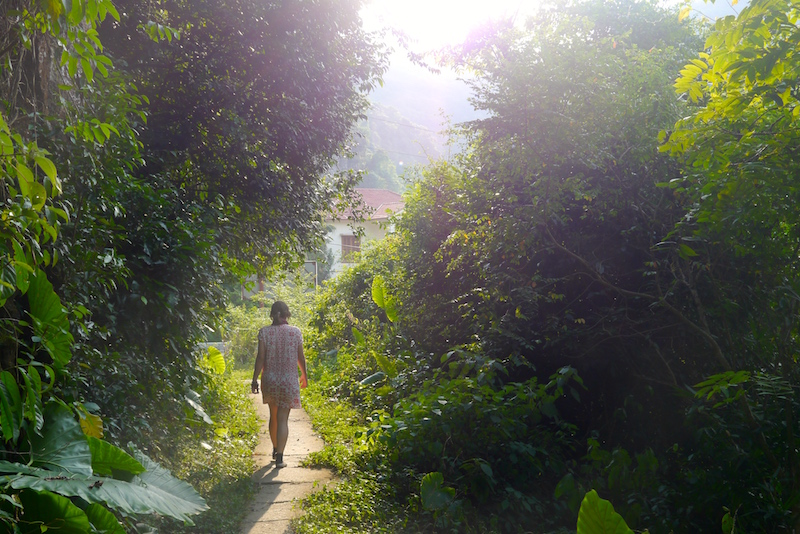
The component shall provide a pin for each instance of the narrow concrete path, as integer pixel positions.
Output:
(273, 507)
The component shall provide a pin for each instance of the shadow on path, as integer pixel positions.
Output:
(273, 508)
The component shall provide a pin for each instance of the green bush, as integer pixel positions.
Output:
(217, 458)
(242, 322)
(240, 334)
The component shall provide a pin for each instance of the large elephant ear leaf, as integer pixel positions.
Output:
(106, 459)
(597, 516)
(46, 511)
(50, 321)
(62, 445)
(177, 498)
(125, 497)
(103, 520)
(379, 292)
(214, 360)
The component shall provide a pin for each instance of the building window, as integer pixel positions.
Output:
(350, 245)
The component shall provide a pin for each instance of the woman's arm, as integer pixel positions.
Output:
(260, 359)
(301, 362)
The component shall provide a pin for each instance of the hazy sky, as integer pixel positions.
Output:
(422, 96)
(435, 23)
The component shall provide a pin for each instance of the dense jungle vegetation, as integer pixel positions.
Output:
(595, 304)
(152, 153)
(600, 293)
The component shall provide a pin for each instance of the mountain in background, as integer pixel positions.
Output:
(406, 124)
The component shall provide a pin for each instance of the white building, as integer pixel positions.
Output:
(343, 241)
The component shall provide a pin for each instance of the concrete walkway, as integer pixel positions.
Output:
(273, 507)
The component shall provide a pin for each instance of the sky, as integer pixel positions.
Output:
(435, 23)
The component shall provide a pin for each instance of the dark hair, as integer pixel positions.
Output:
(279, 312)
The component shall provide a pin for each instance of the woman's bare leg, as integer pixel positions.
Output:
(282, 431)
(273, 426)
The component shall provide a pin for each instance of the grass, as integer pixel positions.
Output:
(217, 461)
(361, 502)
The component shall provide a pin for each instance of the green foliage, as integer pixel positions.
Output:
(738, 151)
(240, 334)
(214, 360)
(47, 456)
(64, 463)
(361, 501)
(636, 482)
(464, 425)
(115, 248)
(492, 445)
(433, 493)
(384, 300)
(354, 506)
(242, 322)
(253, 127)
(217, 459)
(597, 516)
(562, 236)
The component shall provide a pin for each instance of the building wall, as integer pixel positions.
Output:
(372, 231)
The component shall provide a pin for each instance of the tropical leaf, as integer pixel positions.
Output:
(386, 365)
(360, 340)
(378, 292)
(215, 360)
(22, 267)
(433, 493)
(10, 407)
(62, 446)
(91, 424)
(390, 308)
(373, 378)
(45, 511)
(153, 491)
(107, 458)
(13, 468)
(128, 497)
(685, 251)
(181, 496)
(33, 409)
(597, 516)
(50, 320)
(193, 399)
(103, 520)
(382, 299)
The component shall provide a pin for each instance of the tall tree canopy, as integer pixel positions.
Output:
(237, 110)
(555, 214)
(564, 236)
(149, 148)
(249, 108)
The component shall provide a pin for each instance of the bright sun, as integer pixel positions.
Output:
(436, 23)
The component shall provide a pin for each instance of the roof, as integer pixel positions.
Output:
(379, 203)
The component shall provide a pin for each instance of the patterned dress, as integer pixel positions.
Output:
(280, 385)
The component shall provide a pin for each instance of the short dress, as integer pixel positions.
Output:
(280, 385)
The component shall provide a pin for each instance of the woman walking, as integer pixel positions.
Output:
(280, 353)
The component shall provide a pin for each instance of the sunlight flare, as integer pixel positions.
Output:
(433, 24)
